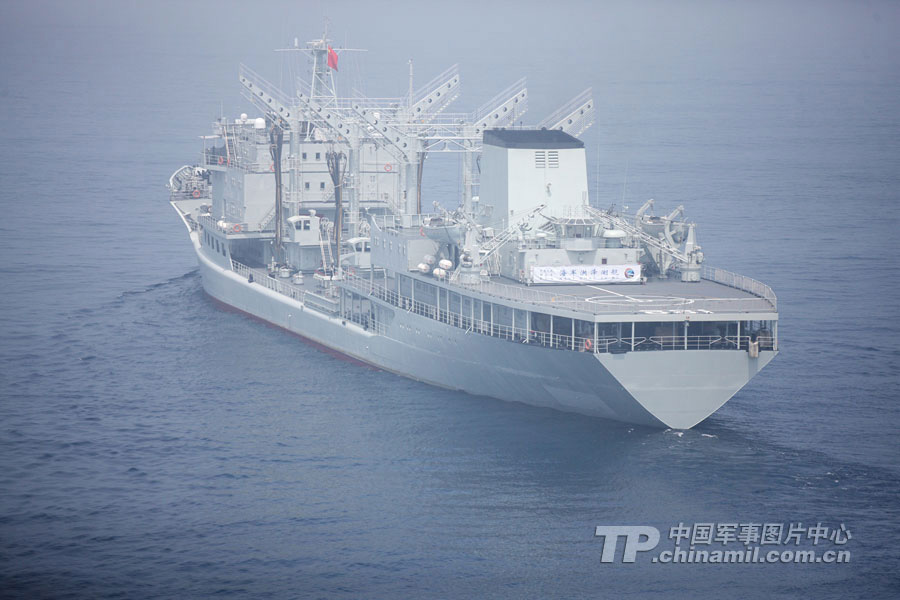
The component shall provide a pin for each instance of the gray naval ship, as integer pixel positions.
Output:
(310, 217)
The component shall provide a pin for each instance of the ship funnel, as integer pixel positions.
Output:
(523, 168)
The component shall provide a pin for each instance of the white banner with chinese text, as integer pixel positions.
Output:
(587, 274)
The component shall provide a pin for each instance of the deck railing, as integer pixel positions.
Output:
(198, 194)
(563, 341)
(308, 298)
(708, 342)
(741, 282)
(238, 162)
(529, 295)
(468, 323)
(553, 340)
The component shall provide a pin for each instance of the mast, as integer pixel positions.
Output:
(276, 139)
(334, 169)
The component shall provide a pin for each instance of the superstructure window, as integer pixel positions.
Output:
(304, 156)
(306, 185)
(318, 156)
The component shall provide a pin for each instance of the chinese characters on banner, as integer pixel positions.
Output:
(587, 274)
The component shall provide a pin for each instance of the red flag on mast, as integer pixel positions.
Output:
(332, 58)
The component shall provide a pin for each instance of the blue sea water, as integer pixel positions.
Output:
(153, 445)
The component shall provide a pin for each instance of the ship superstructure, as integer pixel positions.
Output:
(311, 217)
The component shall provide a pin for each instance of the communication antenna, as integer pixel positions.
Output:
(597, 177)
(410, 84)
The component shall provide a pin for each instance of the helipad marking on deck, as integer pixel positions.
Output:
(615, 293)
(646, 299)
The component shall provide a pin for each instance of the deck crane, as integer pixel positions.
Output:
(665, 252)
(476, 254)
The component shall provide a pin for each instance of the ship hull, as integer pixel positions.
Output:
(675, 389)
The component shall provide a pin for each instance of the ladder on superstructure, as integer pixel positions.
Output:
(230, 153)
(267, 220)
(325, 246)
(496, 242)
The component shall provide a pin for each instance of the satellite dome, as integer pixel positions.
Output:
(259, 123)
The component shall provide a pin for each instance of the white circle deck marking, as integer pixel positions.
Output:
(650, 301)
(612, 292)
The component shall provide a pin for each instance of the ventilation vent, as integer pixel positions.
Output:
(553, 159)
(540, 160)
